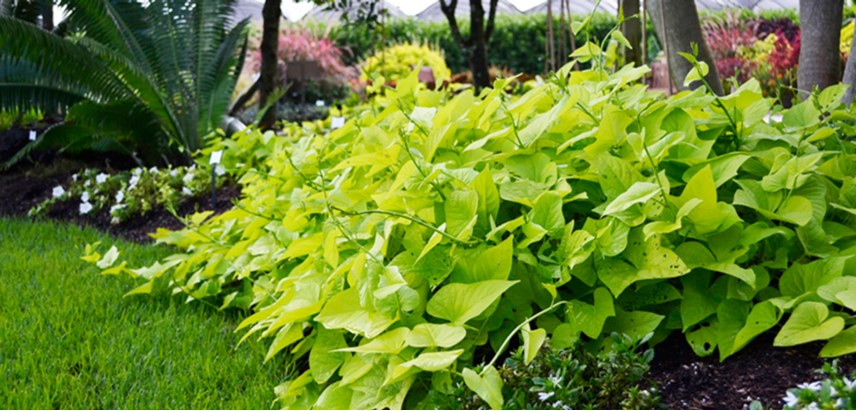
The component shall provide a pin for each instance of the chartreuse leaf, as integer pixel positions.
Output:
(487, 385)
(532, 342)
(763, 316)
(336, 396)
(493, 263)
(590, 318)
(459, 303)
(435, 335)
(842, 344)
(426, 361)
(461, 213)
(809, 322)
(708, 216)
(343, 310)
(698, 72)
(841, 290)
(800, 279)
(639, 192)
(636, 324)
(323, 361)
(548, 213)
(390, 342)
(655, 262)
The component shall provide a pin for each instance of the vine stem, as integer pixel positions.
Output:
(516, 329)
(408, 217)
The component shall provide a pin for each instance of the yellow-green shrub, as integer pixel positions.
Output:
(396, 62)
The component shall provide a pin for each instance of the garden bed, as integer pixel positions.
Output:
(759, 372)
(26, 186)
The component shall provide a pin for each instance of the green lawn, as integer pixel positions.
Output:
(68, 339)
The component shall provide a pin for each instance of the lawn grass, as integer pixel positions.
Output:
(68, 339)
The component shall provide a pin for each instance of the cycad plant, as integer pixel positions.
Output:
(150, 79)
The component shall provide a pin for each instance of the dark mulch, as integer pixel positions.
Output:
(31, 182)
(138, 228)
(757, 372)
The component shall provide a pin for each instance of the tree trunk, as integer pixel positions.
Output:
(820, 26)
(478, 39)
(551, 39)
(632, 30)
(850, 74)
(268, 75)
(678, 27)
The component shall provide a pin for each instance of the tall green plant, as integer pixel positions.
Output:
(151, 80)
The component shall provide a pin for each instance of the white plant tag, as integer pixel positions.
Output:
(337, 122)
(216, 156)
(319, 103)
(32, 135)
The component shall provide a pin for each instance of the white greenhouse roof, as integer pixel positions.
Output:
(430, 9)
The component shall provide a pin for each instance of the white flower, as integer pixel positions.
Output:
(813, 406)
(133, 182)
(87, 183)
(187, 178)
(84, 197)
(556, 380)
(116, 208)
(101, 178)
(840, 403)
(219, 170)
(186, 191)
(74, 177)
(791, 400)
(849, 384)
(137, 171)
(58, 191)
(153, 170)
(120, 196)
(173, 172)
(192, 167)
(814, 386)
(544, 396)
(833, 392)
(85, 208)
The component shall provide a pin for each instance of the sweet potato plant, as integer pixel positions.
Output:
(418, 243)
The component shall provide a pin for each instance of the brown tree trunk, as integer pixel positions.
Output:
(268, 73)
(850, 74)
(820, 26)
(476, 44)
(678, 27)
(479, 38)
(632, 30)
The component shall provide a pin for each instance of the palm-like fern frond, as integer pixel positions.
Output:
(173, 60)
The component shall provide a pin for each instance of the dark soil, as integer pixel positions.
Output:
(32, 182)
(758, 372)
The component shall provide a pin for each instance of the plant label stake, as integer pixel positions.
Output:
(319, 103)
(337, 122)
(216, 156)
(32, 135)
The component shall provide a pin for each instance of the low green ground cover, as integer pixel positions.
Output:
(69, 340)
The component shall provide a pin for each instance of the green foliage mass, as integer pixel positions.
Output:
(517, 42)
(148, 80)
(396, 62)
(580, 377)
(69, 341)
(433, 231)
